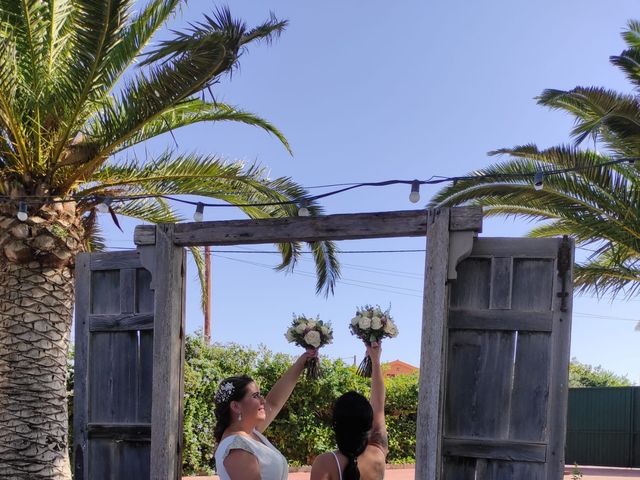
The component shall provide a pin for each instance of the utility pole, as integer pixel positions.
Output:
(207, 300)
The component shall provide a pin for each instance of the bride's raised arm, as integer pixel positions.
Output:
(281, 390)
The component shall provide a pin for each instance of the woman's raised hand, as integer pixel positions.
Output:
(310, 353)
(374, 351)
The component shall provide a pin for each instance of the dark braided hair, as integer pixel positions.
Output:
(223, 399)
(352, 419)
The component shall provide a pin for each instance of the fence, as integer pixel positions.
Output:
(603, 426)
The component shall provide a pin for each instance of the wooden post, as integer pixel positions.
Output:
(560, 357)
(168, 356)
(81, 371)
(207, 300)
(433, 352)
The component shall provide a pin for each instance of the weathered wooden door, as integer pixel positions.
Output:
(129, 362)
(113, 367)
(506, 354)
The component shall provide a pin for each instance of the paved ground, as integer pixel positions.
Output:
(602, 473)
(589, 473)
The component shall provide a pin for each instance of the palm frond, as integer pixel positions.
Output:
(560, 227)
(631, 36)
(216, 28)
(198, 259)
(195, 174)
(629, 60)
(187, 113)
(96, 31)
(605, 278)
(33, 44)
(123, 41)
(94, 239)
(16, 150)
(152, 210)
(135, 37)
(249, 188)
(327, 266)
(196, 63)
(599, 113)
(595, 204)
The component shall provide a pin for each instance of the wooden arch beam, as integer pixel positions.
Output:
(404, 223)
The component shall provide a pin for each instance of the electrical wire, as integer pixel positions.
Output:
(345, 281)
(433, 180)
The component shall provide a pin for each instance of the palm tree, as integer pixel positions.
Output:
(598, 205)
(70, 100)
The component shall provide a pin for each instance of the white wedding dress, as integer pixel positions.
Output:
(273, 465)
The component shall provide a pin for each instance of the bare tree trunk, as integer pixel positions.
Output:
(35, 323)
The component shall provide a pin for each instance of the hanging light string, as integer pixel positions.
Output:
(104, 202)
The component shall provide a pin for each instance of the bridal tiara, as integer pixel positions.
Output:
(224, 393)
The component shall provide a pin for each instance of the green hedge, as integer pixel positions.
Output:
(302, 430)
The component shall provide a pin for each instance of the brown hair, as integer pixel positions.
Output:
(223, 401)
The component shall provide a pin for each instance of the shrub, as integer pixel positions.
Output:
(302, 430)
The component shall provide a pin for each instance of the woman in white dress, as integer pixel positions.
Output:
(242, 414)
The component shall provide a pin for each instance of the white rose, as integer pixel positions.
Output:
(391, 329)
(364, 323)
(324, 330)
(355, 320)
(300, 328)
(312, 338)
(376, 323)
(289, 334)
(311, 323)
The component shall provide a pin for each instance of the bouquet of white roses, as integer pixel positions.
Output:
(371, 324)
(310, 333)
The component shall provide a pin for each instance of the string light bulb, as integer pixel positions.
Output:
(414, 196)
(103, 206)
(303, 211)
(22, 212)
(199, 215)
(538, 181)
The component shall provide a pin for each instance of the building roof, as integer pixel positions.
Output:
(398, 367)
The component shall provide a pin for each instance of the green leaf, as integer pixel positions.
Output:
(185, 113)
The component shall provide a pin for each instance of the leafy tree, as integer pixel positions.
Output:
(72, 106)
(597, 205)
(583, 375)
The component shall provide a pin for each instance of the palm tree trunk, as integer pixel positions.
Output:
(35, 322)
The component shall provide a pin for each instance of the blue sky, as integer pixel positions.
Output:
(376, 91)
